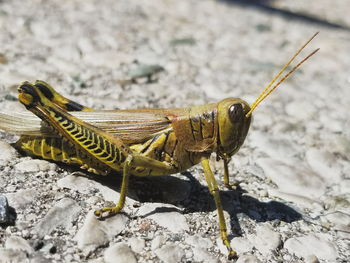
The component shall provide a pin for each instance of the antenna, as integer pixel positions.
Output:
(267, 91)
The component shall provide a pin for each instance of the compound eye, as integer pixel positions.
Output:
(236, 113)
(27, 94)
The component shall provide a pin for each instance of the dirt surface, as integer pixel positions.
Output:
(292, 203)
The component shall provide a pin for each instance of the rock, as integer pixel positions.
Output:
(312, 244)
(77, 183)
(325, 164)
(7, 153)
(22, 199)
(33, 166)
(338, 202)
(119, 253)
(293, 178)
(48, 248)
(95, 233)
(241, 245)
(157, 242)
(170, 253)
(5, 213)
(137, 244)
(311, 259)
(247, 259)
(12, 255)
(164, 215)
(62, 214)
(338, 219)
(198, 241)
(300, 200)
(202, 255)
(287, 258)
(144, 70)
(18, 243)
(266, 240)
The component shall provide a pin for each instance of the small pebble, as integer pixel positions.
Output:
(312, 245)
(266, 240)
(7, 153)
(198, 241)
(137, 244)
(157, 242)
(311, 259)
(165, 215)
(23, 198)
(247, 259)
(33, 166)
(49, 248)
(12, 255)
(202, 255)
(293, 178)
(95, 233)
(170, 253)
(18, 243)
(241, 245)
(62, 214)
(120, 253)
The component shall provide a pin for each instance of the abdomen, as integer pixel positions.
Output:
(59, 150)
(163, 147)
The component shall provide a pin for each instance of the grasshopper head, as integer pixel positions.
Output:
(233, 124)
(28, 95)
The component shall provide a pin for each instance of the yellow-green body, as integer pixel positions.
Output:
(190, 136)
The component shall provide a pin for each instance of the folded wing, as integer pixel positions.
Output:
(131, 126)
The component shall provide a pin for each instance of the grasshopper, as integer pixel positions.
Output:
(142, 142)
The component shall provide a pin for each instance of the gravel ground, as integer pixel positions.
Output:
(292, 204)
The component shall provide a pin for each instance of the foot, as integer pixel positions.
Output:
(107, 212)
(232, 186)
(232, 255)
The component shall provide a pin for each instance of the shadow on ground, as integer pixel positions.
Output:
(190, 195)
(10, 219)
(267, 7)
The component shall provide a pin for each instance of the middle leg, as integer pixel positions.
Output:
(214, 190)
